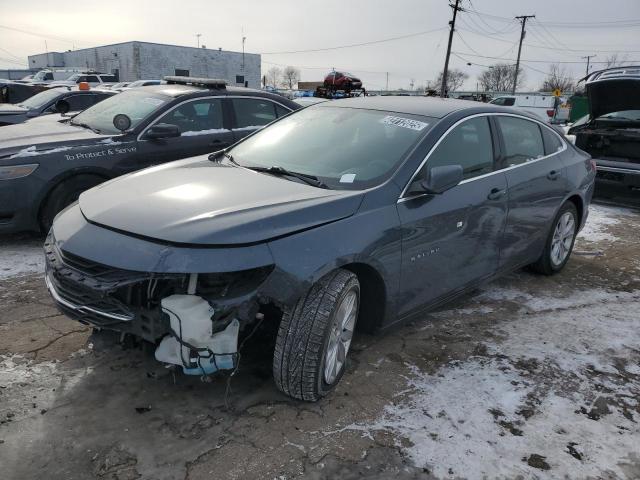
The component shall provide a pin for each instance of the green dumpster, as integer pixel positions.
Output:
(579, 107)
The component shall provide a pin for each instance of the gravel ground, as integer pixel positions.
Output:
(529, 377)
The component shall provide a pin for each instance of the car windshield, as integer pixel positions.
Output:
(345, 148)
(41, 99)
(623, 115)
(136, 104)
(74, 77)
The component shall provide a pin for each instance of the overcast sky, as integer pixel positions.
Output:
(285, 26)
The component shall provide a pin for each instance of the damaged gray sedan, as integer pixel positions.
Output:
(363, 212)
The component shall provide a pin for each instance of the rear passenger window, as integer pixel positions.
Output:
(552, 142)
(251, 112)
(522, 140)
(469, 144)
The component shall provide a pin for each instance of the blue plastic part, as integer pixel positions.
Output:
(223, 362)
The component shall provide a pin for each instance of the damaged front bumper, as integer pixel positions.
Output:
(92, 287)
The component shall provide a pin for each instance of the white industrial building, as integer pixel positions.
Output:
(144, 60)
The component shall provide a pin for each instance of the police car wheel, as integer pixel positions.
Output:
(63, 195)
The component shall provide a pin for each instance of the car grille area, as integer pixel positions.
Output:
(107, 297)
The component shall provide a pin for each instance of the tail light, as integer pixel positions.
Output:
(550, 113)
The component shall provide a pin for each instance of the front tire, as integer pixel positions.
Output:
(314, 337)
(560, 241)
(63, 195)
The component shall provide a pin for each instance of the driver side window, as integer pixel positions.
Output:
(196, 116)
(470, 145)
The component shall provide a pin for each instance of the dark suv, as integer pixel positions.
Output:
(45, 165)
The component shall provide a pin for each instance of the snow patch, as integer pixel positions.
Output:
(109, 141)
(21, 257)
(195, 133)
(33, 152)
(598, 221)
(249, 127)
(483, 416)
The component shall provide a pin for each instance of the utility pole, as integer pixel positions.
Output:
(588, 57)
(387, 82)
(198, 35)
(452, 23)
(523, 20)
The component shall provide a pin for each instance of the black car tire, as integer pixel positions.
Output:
(303, 337)
(63, 195)
(544, 264)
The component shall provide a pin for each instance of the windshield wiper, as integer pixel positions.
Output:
(84, 125)
(276, 170)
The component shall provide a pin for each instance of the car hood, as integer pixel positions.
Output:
(10, 109)
(199, 202)
(613, 95)
(44, 134)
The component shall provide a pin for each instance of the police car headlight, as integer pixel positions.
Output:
(10, 172)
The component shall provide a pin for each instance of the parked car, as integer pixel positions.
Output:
(362, 212)
(546, 107)
(12, 91)
(342, 80)
(610, 132)
(53, 74)
(93, 79)
(54, 100)
(45, 166)
(119, 85)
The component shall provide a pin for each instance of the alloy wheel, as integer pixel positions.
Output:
(340, 336)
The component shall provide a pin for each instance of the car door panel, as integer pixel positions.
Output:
(449, 240)
(202, 125)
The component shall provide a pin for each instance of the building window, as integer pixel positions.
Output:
(182, 73)
(240, 79)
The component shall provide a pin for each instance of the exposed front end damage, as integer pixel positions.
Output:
(194, 318)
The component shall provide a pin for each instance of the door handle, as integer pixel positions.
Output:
(496, 193)
(553, 175)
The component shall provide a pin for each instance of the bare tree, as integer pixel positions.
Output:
(558, 78)
(615, 60)
(290, 76)
(455, 79)
(499, 78)
(273, 76)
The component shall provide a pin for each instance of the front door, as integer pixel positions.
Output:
(451, 239)
(202, 130)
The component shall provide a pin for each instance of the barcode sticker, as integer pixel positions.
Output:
(404, 122)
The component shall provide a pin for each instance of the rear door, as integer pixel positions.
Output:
(202, 130)
(537, 184)
(251, 114)
(451, 239)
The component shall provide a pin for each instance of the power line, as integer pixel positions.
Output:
(535, 61)
(50, 37)
(603, 24)
(374, 42)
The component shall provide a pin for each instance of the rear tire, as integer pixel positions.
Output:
(63, 195)
(314, 333)
(559, 244)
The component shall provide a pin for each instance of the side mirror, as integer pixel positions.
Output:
(439, 180)
(163, 130)
(62, 106)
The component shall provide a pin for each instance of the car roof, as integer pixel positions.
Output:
(413, 105)
(178, 90)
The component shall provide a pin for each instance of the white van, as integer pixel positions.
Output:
(549, 108)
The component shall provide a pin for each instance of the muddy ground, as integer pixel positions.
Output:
(530, 377)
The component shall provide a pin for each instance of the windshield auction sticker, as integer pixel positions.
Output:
(404, 122)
